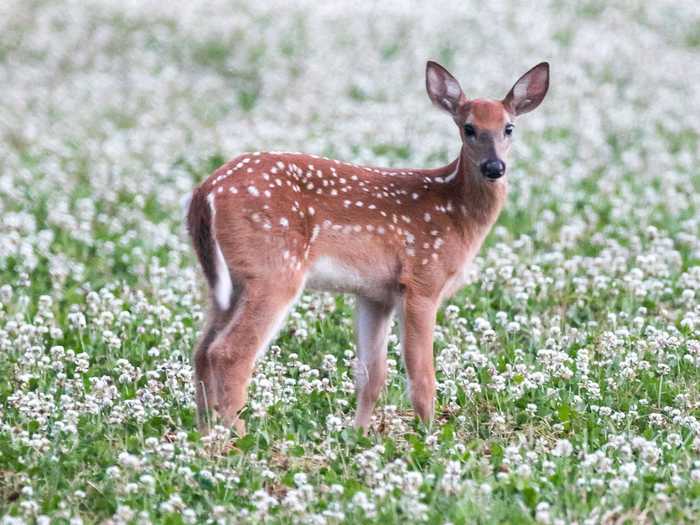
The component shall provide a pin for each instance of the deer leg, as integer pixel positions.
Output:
(417, 324)
(205, 393)
(257, 319)
(373, 324)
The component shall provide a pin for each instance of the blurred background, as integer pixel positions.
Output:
(106, 101)
(141, 88)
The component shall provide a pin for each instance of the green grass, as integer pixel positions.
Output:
(567, 370)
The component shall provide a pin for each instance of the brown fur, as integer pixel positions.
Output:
(486, 114)
(199, 228)
(398, 239)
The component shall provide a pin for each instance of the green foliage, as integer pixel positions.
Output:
(567, 370)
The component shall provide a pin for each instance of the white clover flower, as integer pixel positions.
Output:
(129, 461)
(524, 470)
(542, 514)
(361, 501)
(148, 482)
(189, 515)
(628, 469)
(334, 423)
(5, 293)
(124, 514)
(563, 448)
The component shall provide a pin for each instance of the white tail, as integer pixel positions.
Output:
(266, 225)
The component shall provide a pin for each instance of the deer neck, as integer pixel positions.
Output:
(478, 200)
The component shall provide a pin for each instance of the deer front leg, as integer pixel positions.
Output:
(373, 325)
(417, 324)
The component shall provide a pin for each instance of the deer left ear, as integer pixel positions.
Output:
(529, 91)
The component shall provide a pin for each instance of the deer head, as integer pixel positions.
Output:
(486, 126)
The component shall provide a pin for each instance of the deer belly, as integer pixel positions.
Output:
(330, 275)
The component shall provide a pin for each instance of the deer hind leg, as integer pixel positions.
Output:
(373, 324)
(205, 391)
(257, 318)
(417, 324)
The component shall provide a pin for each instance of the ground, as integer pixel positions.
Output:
(568, 369)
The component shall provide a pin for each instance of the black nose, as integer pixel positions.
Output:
(493, 169)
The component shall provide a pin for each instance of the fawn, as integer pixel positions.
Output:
(267, 225)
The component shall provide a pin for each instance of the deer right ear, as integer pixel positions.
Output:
(443, 88)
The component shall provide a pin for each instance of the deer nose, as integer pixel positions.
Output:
(493, 169)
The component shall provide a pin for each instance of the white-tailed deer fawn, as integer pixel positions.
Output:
(267, 225)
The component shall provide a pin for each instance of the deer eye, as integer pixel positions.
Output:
(509, 130)
(469, 130)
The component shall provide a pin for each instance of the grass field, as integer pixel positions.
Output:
(569, 370)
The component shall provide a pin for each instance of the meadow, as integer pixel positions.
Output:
(568, 369)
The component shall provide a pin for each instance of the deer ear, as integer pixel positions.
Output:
(443, 88)
(528, 91)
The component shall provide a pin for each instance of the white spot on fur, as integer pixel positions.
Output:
(314, 233)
